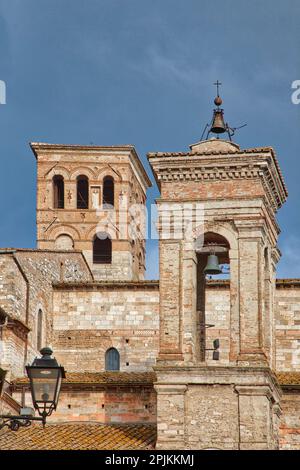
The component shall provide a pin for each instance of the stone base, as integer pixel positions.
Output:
(217, 408)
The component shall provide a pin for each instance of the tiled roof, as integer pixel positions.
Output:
(280, 283)
(78, 436)
(288, 378)
(102, 378)
(152, 284)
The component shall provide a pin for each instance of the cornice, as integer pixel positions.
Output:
(223, 166)
(95, 285)
(48, 148)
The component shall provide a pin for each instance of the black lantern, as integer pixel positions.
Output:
(45, 377)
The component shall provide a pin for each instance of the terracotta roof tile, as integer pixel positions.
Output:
(78, 436)
(288, 378)
(102, 378)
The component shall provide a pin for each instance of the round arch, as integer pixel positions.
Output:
(60, 171)
(83, 171)
(64, 229)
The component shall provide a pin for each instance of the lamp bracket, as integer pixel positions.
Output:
(15, 422)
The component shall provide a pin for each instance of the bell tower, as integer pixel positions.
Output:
(233, 195)
(88, 199)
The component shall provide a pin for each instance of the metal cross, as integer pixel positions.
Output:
(217, 83)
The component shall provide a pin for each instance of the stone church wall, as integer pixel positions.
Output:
(108, 404)
(91, 318)
(287, 311)
(290, 423)
(26, 278)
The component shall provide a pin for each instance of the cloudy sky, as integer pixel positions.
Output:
(140, 72)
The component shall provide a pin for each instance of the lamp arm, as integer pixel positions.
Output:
(15, 422)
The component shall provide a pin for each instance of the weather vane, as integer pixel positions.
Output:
(218, 125)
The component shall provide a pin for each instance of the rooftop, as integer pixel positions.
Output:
(78, 436)
(101, 378)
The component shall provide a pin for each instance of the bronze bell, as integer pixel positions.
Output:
(218, 125)
(212, 266)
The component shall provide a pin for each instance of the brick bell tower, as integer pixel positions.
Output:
(234, 403)
(87, 199)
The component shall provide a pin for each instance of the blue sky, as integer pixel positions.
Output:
(141, 72)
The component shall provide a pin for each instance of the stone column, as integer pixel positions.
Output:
(171, 279)
(257, 427)
(251, 287)
(170, 416)
(234, 306)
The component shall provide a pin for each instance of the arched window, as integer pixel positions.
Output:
(108, 191)
(39, 330)
(102, 249)
(58, 192)
(112, 359)
(82, 192)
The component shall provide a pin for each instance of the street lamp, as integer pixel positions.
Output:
(45, 376)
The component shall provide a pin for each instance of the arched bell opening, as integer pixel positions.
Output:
(213, 269)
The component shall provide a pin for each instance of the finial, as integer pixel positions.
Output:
(218, 125)
(218, 100)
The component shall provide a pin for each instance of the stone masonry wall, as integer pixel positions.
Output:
(90, 319)
(113, 404)
(41, 269)
(287, 312)
(12, 288)
(290, 421)
(25, 287)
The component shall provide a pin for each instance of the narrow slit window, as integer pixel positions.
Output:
(39, 335)
(82, 192)
(108, 191)
(58, 192)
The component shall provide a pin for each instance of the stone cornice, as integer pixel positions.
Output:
(42, 147)
(222, 166)
(280, 283)
(95, 285)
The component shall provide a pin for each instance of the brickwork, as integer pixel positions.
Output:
(169, 327)
(78, 226)
(107, 404)
(290, 422)
(240, 192)
(288, 327)
(90, 319)
(27, 288)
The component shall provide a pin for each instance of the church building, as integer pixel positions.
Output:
(206, 357)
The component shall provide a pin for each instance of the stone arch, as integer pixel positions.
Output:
(63, 229)
(64, 242)
(83, 170)
(112, 231)
(226, 231)
(108, 171)
(225, 236)
(59, 170)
